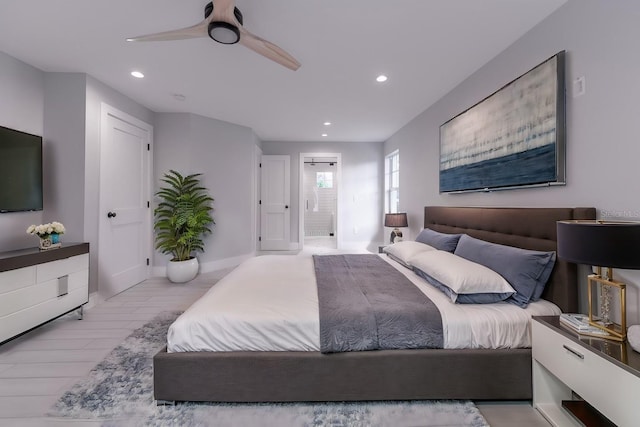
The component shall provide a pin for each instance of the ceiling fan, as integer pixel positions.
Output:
(223, 23)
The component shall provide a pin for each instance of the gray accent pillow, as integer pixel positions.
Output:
(527, 271)
(441, 241)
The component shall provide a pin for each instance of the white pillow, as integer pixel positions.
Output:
(460, 275)
(406, 249)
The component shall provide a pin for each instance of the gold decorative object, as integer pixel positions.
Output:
(606, 284)
(604, 245)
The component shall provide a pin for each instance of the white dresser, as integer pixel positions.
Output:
(605, 374)
(38, 286)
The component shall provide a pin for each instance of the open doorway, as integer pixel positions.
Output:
(320, 182)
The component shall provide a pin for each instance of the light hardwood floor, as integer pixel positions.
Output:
(36, 368)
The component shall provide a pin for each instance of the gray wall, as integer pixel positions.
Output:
(223, 152)
(360, 203)
(65, 109)
(64, 152)
(22, 108)
(600, 38)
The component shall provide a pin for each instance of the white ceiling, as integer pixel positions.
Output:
(426, 47)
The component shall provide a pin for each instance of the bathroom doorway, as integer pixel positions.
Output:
(319, 211)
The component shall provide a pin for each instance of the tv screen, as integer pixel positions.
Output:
(20, 171)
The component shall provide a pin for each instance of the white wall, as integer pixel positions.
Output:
(223, 152)
(360, 203)
(600, 38)
(22, 108)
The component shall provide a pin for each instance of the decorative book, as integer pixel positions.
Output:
(580, 324)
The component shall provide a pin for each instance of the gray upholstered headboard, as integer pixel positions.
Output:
(528, 228)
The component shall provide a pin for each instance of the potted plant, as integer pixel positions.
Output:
(182, 218)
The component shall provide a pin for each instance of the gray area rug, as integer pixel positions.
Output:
(119, 392)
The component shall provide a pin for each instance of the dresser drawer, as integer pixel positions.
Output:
(54, 269)
(16, 279)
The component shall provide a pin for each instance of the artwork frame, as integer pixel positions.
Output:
(513, 138)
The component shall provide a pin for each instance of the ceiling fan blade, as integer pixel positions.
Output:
(198, 30)
(267, 49)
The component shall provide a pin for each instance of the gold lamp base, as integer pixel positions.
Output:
(617, 332)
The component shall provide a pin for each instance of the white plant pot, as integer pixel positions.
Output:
(182, 271)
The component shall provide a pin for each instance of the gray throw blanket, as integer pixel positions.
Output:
(366, 304)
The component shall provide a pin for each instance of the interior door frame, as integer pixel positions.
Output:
(107, 110)
(255, 198)
(338, 157)
(267, 205)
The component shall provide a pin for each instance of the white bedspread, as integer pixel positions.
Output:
(270, 303)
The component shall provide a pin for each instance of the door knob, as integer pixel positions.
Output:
(286, 206)
(111, 215)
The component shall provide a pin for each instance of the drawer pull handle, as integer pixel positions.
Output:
(570, 350)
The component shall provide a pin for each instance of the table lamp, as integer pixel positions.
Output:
(604, 245)
(395, 220)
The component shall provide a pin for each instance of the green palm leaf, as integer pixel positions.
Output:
(183, 215)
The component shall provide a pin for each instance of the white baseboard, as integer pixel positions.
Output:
(358, 246)
(209, 266)
(294, 246)
(94, 299)
(158, 271)
(224, 263)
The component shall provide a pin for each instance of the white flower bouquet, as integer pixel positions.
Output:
(45, 230)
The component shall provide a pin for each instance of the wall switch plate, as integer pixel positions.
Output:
(579, 86)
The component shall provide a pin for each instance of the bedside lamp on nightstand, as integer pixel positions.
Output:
(605, 245)
(395, 220)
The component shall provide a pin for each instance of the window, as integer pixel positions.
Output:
(324, 179)
(392, 182)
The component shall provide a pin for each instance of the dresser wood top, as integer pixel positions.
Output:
(12, 260)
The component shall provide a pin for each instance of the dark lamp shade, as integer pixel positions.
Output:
(396, 220)
(600, 243)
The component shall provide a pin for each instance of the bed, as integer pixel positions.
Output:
(479, 374)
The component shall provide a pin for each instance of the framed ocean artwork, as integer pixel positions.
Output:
(514, 138)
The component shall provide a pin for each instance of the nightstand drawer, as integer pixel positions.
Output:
(565, 359)
(606, 386)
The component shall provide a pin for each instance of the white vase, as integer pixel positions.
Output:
(182, 271)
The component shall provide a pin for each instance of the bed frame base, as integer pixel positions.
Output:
(503, 374)
(355, 376)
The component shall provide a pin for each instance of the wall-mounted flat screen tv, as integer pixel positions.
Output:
(20, 171)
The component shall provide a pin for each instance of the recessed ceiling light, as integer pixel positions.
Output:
(137, 74)
(381, 78)
(327, 123)
(324, 134)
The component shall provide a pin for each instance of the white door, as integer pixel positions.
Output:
(125, 215)
(275, 212)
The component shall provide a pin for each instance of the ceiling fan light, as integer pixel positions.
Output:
(223, 32)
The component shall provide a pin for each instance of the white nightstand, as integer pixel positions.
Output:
(606, 374)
